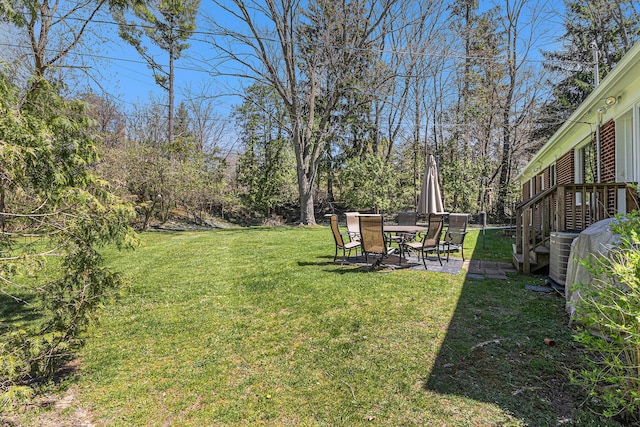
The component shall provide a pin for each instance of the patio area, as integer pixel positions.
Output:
(475, 269)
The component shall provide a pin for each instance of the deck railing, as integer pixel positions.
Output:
(568, 207)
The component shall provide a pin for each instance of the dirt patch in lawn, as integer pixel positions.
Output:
(52, 411)
(60, 409)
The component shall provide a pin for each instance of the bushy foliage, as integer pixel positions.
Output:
(369, 184)
(609, 316)
(54, 217)
(266, 170)
(267, 176)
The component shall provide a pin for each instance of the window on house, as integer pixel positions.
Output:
(627, 148)
(553, 175)
(585, 167)
(585, 164)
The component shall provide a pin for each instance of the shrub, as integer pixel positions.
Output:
(609, 318)
(54, 218)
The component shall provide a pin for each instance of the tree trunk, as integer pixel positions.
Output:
(307, 166)
(330, 196)
(171, 95)
(2, 229)
(307, 211)
(505, 171)
(503, 185)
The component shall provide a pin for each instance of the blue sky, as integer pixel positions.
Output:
(127, 78)
(125, 75)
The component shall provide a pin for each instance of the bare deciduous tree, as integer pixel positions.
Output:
(519, 23)
(309, 75)
(54, 31)
(208, 125)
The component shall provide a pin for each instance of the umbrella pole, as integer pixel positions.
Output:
(483, 213)
(484, 225)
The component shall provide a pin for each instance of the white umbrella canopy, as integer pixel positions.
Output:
(430, 196)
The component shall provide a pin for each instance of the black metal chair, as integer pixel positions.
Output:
(407, 218)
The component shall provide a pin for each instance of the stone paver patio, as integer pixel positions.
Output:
(476, 269)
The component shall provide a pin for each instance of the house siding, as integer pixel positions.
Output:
(547, 177)
(525, 191)
(537, 213)
(608, 151)
(608, 160)
(565, 170)
(566, 174)
(601, 191)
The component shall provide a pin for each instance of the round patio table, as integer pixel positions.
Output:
(401, 230)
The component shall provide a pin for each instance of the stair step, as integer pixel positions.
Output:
(517, 249)
(520, 259)
(537, 249)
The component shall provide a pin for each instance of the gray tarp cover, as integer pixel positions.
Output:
(594, 241)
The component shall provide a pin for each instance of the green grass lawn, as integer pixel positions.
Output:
(489, 245)
(258, 326)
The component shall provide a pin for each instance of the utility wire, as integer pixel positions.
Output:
(412, 52)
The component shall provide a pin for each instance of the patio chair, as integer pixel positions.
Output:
(340, 243)
(431, 239)
(372, 238)
(454, 237)
(353, 226)
(407, 218)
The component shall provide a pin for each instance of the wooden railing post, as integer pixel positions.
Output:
(519, 230)
(546, 217)
(561, 208)
(526, 238)
(580, 223)
(632, 199)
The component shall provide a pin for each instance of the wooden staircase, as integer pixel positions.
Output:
(566, 207)
(539, 257)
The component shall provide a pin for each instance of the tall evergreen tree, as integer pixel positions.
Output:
(184, 141)
(167, 24)
(610, 27)
(473, 147)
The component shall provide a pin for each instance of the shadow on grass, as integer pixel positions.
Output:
(17, 310)
(323, 260)
(360, 265)
(494, 351)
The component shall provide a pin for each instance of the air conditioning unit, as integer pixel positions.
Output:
(559, 250)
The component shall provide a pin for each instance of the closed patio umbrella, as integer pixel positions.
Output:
(430, 196)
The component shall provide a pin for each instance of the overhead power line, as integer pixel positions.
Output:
(413, 52)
